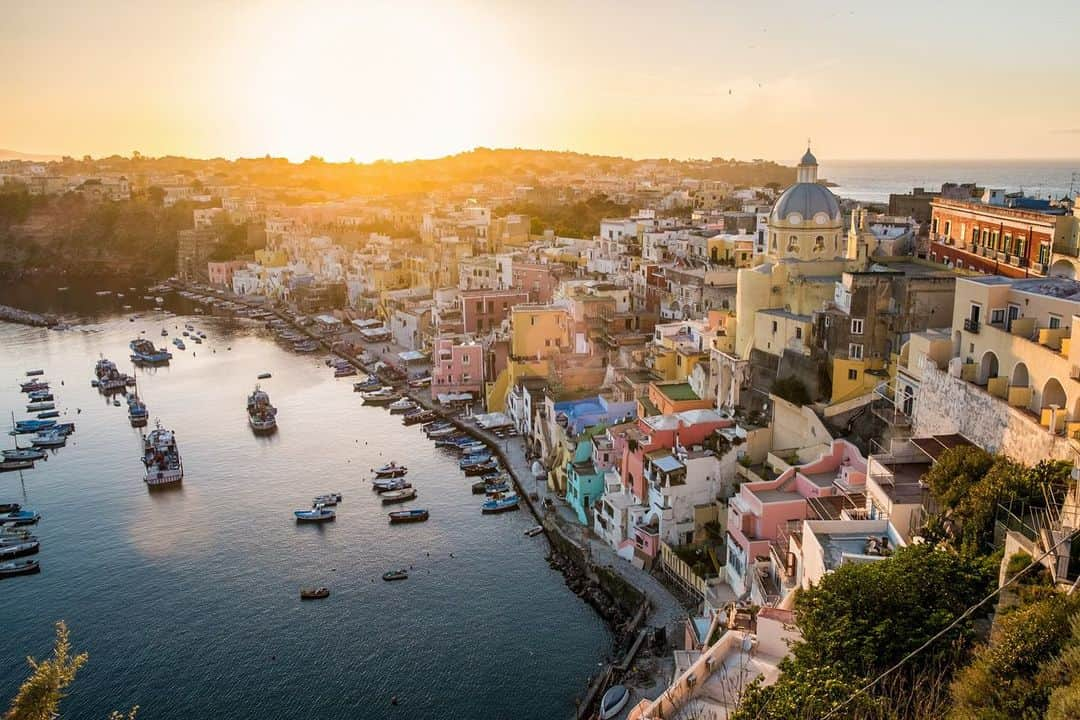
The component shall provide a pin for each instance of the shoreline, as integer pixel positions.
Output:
(25, 317)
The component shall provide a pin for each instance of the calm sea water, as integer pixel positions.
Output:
(873, 180)
(187, 600)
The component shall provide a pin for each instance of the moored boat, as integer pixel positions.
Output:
(534, 531)
(384, 485)
(408, 516)
(161, 457)
(25, 427)
(314, 593)
(482, 469)
(262, 416)
(138, 415)
(398, 496)
(35, 372)
(613, 701)
(316, 514)
(265, 376)
(23, 454)
(143, 352)
(402, 405)
(499, 504)
(9, 465)
(20, 517)
(329, 499)
(391, 470)
(417, 417)
(48, 414)
(31, 386)
(39, 406)
(395, 575)
(383, 396)
(19, 567)
(19, 548)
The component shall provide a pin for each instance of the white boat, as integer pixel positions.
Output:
(329, 499)
(161, 457)
(614, 700)
(51, 438)
(403, 405)
(317, 513)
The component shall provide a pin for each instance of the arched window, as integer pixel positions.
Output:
(793, 244)
(774, 241)
(819, 243)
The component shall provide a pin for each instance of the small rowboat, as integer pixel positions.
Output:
(19, 567)
(314, 593)
(314, 515)
(329, 499)
(534, 531)
(408, 516)
(613, 701)
(390, 484)
(391, 470)
(395, 575)
(398, 496)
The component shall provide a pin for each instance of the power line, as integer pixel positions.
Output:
(947, 628)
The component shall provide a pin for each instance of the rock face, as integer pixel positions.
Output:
(23, 317)
(594, 594)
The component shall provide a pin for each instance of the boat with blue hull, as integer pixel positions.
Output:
(143, 352)
(408, 516)
(18, 567)
(26, 427)
(500, 504)
(20, 517)
(48, 414)
(317, 514)
(391, 470)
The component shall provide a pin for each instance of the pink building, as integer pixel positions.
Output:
(221, 273)
(538, 280)
(457, 366)
(762, 512)
(483, 310)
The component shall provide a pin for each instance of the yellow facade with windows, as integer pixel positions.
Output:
(539, 331)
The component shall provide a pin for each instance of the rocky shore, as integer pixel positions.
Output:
(24, 317)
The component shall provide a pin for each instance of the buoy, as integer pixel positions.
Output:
(394, 700)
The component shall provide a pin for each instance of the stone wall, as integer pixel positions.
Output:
(947, 405)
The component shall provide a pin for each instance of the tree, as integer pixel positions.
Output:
(955, 471)
(1007, 679)
(40, 694)
(791, 389)
(863, 618)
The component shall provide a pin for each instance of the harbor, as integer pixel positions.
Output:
(224, 552)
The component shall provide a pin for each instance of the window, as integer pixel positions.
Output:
(532, 320)
(854, 351)
(1054, 322)
(465, 359)
(852, 374)
(798, 333)
(793, 244)
(856, 326)
(774, 327)
(948, 228)
(1044, 253)
(1008, 243)
(997, 316)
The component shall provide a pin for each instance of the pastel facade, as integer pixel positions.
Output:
(457, 366)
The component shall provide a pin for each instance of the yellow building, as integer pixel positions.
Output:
(271, 258)
(539, 331)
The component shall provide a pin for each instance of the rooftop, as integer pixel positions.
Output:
(677, 392)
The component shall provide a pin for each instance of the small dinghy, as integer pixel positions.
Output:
(408, 516)
(613, 701)
(314, 593)
(18, 567)
(386, 485)
(267, 376)
(395, 575)
(534, 531)
(316, 514)
(398, 496)
(499, 504)
(329, 499)
(19, 548)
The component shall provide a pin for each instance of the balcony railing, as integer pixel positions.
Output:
(971, 325)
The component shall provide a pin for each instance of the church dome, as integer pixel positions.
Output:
(806, 202)
(808, 158)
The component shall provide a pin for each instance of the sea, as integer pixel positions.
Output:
(874, 180)
(187, 600)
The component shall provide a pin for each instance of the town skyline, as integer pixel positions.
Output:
(423, 81)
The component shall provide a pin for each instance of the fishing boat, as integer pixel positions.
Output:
(264, 376)
(383, 396)
(35, 372)
(25, 427)
(48, 414)
(38, 406)
(408, 516)
(306, 347)
(10, 465)
(402, 405)
(415, 418)
(534, 531)
(398, 496)
(474, 460)
(161, 457)
(18, 548)
(262, 416)
(344, 371)
(20, 517)
(316, 514)
(499, 504)
(613, 701)
(481, 469)
(19, 453)
(496, 488)
(33, 386)
(314, 593)
(372, 383)
(450, 441)
(143, 352)
(384, 485)
(179, 344)
(391, 470)
(138, 415)
(329, 499)
(39, 395)
(107, 377)
(395, 575)
(64, 428)
(18, 567)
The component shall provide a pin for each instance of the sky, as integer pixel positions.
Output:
(367, 79)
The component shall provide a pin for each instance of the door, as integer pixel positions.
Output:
(1014, 312)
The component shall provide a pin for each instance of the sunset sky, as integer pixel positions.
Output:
(403, 79)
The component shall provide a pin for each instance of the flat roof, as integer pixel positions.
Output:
(677, 391)
(934, 446)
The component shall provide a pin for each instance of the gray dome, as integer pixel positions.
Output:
(808, 158)
(806, 199)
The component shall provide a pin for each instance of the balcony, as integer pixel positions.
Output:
(971, 325)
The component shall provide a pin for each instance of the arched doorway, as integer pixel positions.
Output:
(988, 368)
(1019, 377)
(1063, 268)
(1053, 394)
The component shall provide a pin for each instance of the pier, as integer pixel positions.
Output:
(25, 317)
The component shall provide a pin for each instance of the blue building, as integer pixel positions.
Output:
(584, 481)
